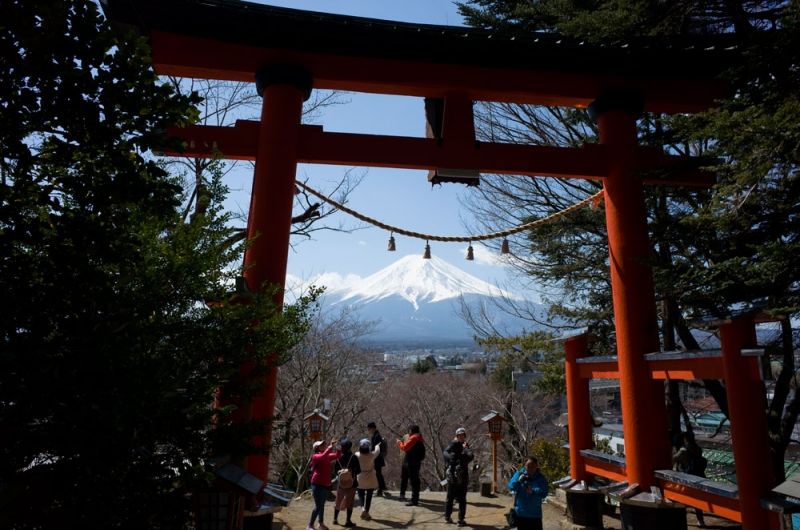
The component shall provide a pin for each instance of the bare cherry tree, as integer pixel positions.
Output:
(439, 403)
(224, 102)
(530, 415)
(328, 372)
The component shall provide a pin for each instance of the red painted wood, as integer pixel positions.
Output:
(647, 445)
(348, 149)
(605, 469)
(580, 415)
(687, 369)
(205, 58)
(269, 224)
(708, 502)
(604, 370)
(747, 413)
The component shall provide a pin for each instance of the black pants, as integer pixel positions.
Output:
(529, 523)
(365, 496)
(381, 480)
(410, 473)
(456, 492)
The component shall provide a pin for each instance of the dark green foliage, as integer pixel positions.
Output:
(423, 366)
(553, 459)
(533, 351)
(716, 251)
(109, 357)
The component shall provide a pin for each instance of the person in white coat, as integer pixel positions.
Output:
(367, 478)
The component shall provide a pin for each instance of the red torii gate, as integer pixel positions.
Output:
(288, 52)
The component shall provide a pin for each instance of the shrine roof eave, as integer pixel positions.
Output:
(228, 39)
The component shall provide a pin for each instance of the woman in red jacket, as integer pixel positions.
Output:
(321, 461)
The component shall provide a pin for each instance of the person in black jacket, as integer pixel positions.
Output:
(413, 446)
(457, 457)
(376, 438)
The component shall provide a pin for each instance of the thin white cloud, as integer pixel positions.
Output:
(332, 281)
(362, 243)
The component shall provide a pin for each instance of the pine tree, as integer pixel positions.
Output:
(715, 251)
(109, 355)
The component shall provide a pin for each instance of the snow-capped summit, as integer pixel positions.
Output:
(416, 300)
(418, 281)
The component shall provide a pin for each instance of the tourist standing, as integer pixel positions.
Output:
(529, 488)
(457, 457)
(347, 483)
(380, 462)
(321, 461)
(367, 478)
(413, 446)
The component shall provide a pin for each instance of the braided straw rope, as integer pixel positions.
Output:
(594, 199)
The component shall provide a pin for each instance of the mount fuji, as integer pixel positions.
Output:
(418, 301)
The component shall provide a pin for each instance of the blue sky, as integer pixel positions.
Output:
(397, 197)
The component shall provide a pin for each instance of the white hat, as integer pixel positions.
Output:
(461, 430)
(317, 444)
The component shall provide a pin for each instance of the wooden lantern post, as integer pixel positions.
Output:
(495, 423)
(316, 422)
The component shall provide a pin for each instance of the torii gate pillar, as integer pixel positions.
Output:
(270, 218)
(643, 408)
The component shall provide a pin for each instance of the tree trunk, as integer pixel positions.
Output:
(674, 405)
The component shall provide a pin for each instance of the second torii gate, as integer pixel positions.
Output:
(289, 52)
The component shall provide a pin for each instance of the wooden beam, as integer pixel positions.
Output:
(186, 56)
(604, 367)
(605, 469)
(350, 149)
(708, 502)
(687, 369)
(208, 141)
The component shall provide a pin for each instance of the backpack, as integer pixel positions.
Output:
(511, 518)
(455, 472)
(421, 450)
(345, 476)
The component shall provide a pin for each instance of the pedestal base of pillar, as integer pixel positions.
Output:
(258, 522)
(486, 489)
(636, 516)
(585, 509)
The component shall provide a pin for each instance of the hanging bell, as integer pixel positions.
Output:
(470, 253)
(427, 254)
(504, 247)
(391, 248)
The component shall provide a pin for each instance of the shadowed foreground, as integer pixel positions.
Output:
(482, 513)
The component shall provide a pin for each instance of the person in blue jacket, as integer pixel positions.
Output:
(529, 488)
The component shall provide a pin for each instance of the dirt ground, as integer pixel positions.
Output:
(483, 513)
